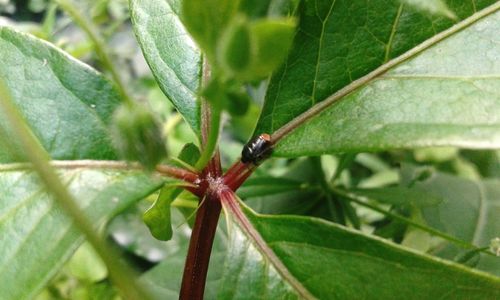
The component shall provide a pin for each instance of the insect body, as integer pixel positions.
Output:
(257, 149)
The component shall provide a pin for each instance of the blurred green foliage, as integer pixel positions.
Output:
(280, 186)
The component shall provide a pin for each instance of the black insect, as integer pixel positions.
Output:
(257, 149)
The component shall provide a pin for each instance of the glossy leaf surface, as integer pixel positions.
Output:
(67, 104)
(445, 95)
(171, 54)
(338, 42)
(332, 262)
(36, 237)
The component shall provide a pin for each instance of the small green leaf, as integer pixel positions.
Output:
(252, 50)
(190, 154)
(157, 217)
(228, 95)
(238, 102)
(271, 40)
(234, 48)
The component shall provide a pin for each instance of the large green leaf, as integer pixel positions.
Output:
(171, 54)
(338, 42)
(66, 103)
(331, 262)
(447, 94)
(469, 211)
(36, 237)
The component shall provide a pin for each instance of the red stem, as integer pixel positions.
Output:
(205, 225)
(200, 248)
(237, 174)
(178, 173)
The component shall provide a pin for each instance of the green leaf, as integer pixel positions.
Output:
(190, 154)
(469, 211)
(238, 102)
(35, 234)
(157, 217)
(234, 48)
(252, 50)
(171, 54)
(325, 261)
(57, 95)
(444, 94)
(339, 41)
(270, 40)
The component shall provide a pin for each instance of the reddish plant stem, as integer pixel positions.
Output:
(200, 248)
(207, 217)
(211, 185)
(237, 174)
(231, 173)
(178, 173)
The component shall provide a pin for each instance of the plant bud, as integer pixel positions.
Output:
(138, 136)
(238, 103)
(251, 50)
(234, 49)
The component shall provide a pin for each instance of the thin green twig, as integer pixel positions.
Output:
(211, 117)
(100, 46)
(354, 198)
(211, 142)
(36, 154)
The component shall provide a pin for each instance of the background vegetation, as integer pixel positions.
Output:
(363, 164)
